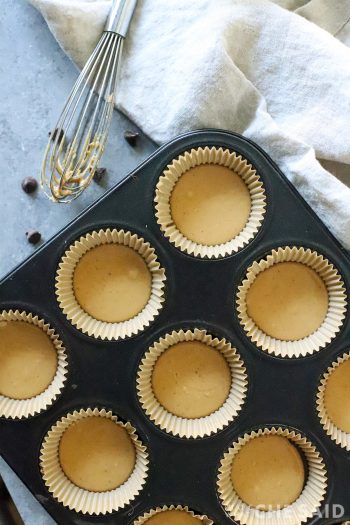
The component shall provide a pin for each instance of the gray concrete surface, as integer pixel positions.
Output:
(35, 78)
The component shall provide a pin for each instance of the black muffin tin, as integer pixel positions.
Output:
(199, 293)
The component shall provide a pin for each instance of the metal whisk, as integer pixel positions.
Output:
(80, 135)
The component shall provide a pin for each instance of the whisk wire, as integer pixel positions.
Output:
(110, 93)
(79, 140)
(93, 88)
(84, 76)
(57, 164)
(86, 116)
(78, 172)
(101, 116)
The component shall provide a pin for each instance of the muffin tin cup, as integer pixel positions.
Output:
(336, 303)
(152, 512)
(75, 313)
(298, 512)
(340, 437)
(198, 157)
(24, 408)
(76, 498)
(202, 426)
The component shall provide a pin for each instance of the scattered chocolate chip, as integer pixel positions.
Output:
(54, 135)
(29, 184)
(33, 236)
(99, 174)
(131, 137)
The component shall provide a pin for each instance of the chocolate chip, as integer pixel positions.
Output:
(54, 135)
(33, 236)
(29, 184)
(99, 174)
(131, 137)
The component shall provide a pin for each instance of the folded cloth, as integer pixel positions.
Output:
(276, 71)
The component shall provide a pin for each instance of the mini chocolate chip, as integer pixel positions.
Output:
(99, 174)
(54, 135)
(29, 184)
(33, 236)
(131, 137)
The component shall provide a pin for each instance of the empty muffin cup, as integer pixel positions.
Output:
(333, 401)
(33, 364)
(191, 384)
(93, 463)
(210, 202)
(172, 515)
(262, 478)
(292, 302)
(110, 284)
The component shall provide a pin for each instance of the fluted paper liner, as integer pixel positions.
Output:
(196, 427)
(72, 309)
(336, 303)
(76, 498)
(298, 512)
(147, 515)
(23, 408)
(336, 434)
(221, 157)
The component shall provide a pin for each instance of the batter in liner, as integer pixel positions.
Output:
(288, 301)
(337, 396)
(191, 379)
(97, 454)
(112, 283)
(210, 204)
(268, 472)
(28, 360)
(173, 517)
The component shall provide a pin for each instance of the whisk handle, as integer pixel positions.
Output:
(120, 16)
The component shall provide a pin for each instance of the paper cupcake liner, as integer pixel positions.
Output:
(72, 309)
(147, 515)
(336, 434)
(336, 303)
(197, 427)
(76, 498)
(197, 157)
(298, 512)
(23, 408)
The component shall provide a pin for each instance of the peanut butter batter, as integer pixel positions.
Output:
(28, 360)
(173, 517)
(268, 473)
(191, 379)
(288, 301)
(337, 396)
(112, 283)
(210, 204)
(96, 454)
